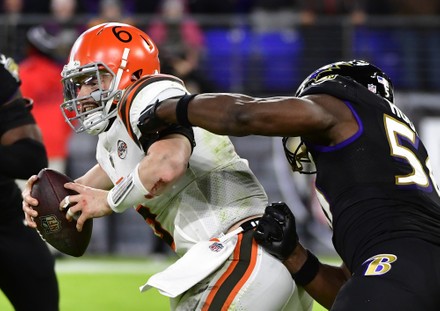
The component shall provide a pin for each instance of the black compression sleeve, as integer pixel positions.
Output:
(22, 159)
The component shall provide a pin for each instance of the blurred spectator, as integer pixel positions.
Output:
(416, 8)
(323, 37)
(275, 48)
(111, 11)
(181, 43)
(145, 7)
(311, 10)
(41, 80)
(419, 42)
(384, 7)
(273, 15)
(214, 7)
(37, 7)
(64, 26)
(91, 8)
(12, 28)
(376, 42)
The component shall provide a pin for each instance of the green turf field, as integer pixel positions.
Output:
(107, 284)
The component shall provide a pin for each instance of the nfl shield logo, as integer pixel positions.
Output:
(122, 149)
(50, 224)
(216, 247)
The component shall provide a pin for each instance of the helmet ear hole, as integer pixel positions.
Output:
(136, 75)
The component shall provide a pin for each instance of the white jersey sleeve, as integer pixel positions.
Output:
(217, 190)
(119, 149)
(145, 93)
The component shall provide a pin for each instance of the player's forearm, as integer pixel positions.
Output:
(223, 114)
(96, 178)
(241, 115)
(325, 285)
(165, 162)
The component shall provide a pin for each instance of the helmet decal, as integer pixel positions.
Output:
(360, 71)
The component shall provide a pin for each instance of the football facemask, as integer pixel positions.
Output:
(90, 112)
(298, 156)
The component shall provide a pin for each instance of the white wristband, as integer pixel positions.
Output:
(128, 193)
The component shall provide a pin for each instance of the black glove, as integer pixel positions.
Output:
(149, 122)
(276, 231)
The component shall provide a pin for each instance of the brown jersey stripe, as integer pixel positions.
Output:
(125, 105)
(161, 232)
(232, 281)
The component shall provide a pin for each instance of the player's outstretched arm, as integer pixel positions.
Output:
(276, 232)
(241, 115)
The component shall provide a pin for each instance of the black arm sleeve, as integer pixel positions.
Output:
(22, 159)
(185, 131)
(148, 139)
(26, 156)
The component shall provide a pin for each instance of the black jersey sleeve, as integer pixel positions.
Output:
(26, 156)
(22, 159)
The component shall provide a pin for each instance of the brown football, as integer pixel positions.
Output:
(51, 222)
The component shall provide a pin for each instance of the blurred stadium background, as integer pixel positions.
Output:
(256, 47)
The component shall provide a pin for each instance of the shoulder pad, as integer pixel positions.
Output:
(145, 92)
(153, 84)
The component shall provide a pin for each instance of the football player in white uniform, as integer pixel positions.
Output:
(189, 185)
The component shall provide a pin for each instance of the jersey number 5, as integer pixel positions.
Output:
(396, 129)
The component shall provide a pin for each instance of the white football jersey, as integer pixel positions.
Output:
(217, 190)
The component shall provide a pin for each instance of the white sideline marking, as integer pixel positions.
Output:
(110, 267)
